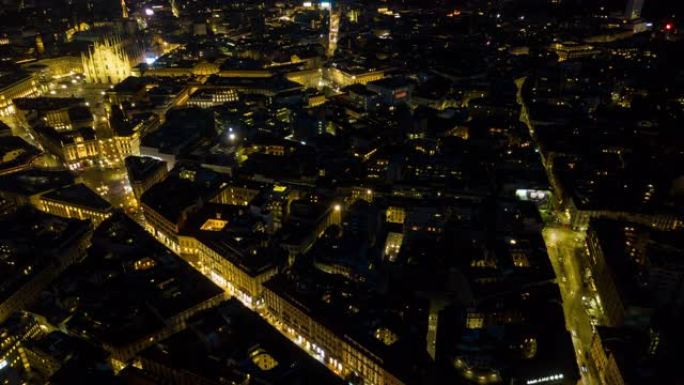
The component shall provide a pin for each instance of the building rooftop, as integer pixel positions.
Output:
(182, 189)
(15, 153)
(34, 181)
(78, 195)
(231, 343)
(183, 130)
(47, 103)
(30, 242)
(128, 287)
(141, 167)
(359, 317)
(7, 79)
(66, 137)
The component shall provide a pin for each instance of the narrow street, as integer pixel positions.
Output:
(567, 252)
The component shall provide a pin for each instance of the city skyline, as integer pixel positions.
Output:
(386, 192)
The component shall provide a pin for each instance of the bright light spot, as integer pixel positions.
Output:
(326, 5)
(338, 207)
(3, 364)
(669, 26)
(231, 137)
(149, 12)
(150, 60)
(307, 4)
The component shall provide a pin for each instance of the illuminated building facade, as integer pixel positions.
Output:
(572, 50)
(333, 34)
(206, 98)
(229, 266)
(107, 61)
(124, 9)
(76, 148)
(613, 309)
(62, 114)
(77, 202)
(15, 86)
(343, 77)
(176, 7)
(236, 195)
(341, 353)
(605, 361)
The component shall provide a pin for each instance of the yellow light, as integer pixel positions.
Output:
(338, 207)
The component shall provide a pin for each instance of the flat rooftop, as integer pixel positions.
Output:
(127, 287)
(30, 241)
(243, 346)
(79, 195)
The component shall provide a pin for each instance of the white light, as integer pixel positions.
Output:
(545, 379)
(338, 207)
(150, 60)
(326, 5)
(3, 364)
(231, 137)
(307, 4)
(149, 12)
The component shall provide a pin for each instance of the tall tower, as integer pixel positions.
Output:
(334, 32)
(124, 9)
(175, 7)
(633, 9)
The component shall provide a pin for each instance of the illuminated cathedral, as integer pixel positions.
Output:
(106, 62)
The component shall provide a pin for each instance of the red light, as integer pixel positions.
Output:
(668, 26)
